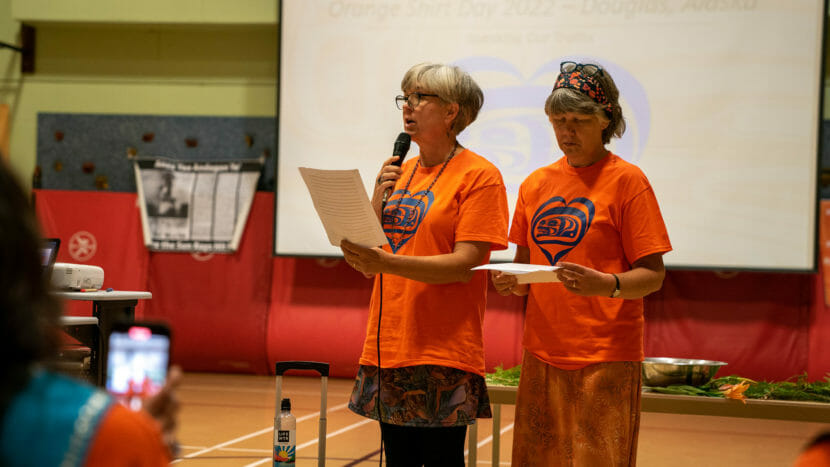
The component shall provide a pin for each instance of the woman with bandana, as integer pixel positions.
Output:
(596, 217)
(447, 210)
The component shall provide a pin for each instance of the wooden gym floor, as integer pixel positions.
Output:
(227, 420)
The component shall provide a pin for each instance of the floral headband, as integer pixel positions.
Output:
(578, 81)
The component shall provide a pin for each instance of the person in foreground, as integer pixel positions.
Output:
(816, 453)
(596, 217)
(47, 418)
(447, 212)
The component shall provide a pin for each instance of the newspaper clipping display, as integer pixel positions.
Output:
(189, 206)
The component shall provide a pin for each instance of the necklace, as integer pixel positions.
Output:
(418, 164)
(396, 234)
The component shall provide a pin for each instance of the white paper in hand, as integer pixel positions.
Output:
(343, 206)
(525, 273)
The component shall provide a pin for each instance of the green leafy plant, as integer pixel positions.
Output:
(504, 377)
(796, 388)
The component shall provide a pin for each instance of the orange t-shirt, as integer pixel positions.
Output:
(605, 217)
(127, 438)
(817, 455)
(437, 324)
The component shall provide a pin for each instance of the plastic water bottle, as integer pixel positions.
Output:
(285, 436)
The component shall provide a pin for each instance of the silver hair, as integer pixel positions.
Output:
(451, 84)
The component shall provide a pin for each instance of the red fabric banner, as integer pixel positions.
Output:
(245, 311)
(756, 322)
(217, 304)
(99, 229)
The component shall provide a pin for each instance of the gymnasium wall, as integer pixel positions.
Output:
(155, 57)
(244, 312)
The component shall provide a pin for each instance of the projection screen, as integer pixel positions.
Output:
(721, 97)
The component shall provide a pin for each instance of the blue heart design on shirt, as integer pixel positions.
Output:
(557, 227)
(403, 214)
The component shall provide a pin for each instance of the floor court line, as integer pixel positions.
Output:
(488, 440)
(250, 450)
(254, 434)
(368, 456)
(314, 441)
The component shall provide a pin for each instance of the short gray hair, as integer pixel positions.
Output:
(564, 100)
(451, 84)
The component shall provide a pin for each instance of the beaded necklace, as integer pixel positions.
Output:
(420, 203)
(418, 164)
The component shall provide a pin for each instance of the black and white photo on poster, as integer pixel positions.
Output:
(191, 206)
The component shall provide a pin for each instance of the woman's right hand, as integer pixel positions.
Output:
(164, 408)
(507, 284)
(386, 180)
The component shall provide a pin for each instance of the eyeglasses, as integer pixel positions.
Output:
(586, 69)
(411, 100)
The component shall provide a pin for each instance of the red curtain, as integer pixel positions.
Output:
(756, 322)
(245, 311)
(99, 229)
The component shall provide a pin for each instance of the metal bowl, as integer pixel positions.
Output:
(661, 371)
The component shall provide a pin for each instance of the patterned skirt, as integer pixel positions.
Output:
(589, 416)
(422, 395)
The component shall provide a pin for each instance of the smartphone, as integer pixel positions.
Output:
(138, 358)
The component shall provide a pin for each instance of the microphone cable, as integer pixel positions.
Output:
(400, 149)
(380, 382)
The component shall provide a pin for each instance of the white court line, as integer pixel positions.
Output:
(202, 387)
(255, 434)
(490, 438)
(227, 449)
(314, 441)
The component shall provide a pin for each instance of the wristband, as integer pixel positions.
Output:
(616, 292)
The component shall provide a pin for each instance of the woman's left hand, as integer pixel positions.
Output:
(585, 281)
(368, 261)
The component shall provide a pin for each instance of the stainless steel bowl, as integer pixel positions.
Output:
(661, 371)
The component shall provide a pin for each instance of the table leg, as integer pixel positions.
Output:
(472, 445)
(109, 312)
(496, 433)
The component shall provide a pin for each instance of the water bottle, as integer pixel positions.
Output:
(285, 436)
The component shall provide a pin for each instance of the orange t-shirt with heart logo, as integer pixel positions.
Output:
(437, 324)
(605, 217)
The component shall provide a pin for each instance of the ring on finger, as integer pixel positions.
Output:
(380, 179)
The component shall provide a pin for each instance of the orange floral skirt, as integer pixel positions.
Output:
(585, 417)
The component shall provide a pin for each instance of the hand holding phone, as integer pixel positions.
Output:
(138, 358)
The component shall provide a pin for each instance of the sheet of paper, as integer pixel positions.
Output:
(343, 206)
(525, 273)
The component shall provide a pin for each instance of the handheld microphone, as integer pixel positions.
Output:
(401, 148)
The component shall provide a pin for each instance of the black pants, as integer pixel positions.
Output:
(407, 446)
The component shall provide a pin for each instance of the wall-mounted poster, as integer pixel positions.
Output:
(192, 206)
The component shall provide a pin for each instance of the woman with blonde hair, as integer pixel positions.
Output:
(421, 372)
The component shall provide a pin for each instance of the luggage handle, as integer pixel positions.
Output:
(319, 367)
(323, 369)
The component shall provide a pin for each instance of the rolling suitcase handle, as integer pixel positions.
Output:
(323, 369)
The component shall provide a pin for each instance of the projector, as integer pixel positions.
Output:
(76, 276)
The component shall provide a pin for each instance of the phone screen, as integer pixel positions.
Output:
(137, 361)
